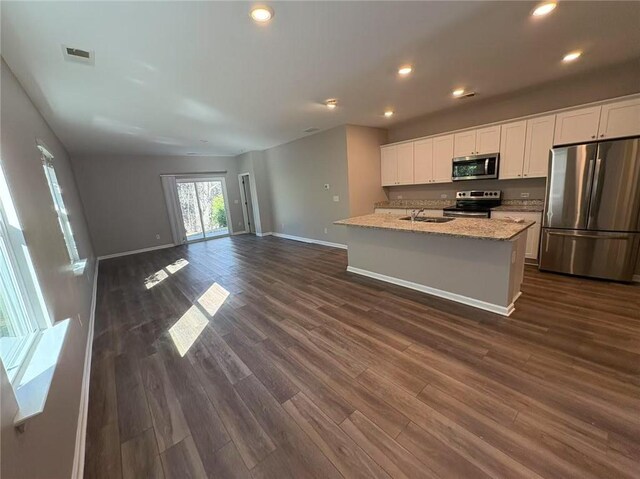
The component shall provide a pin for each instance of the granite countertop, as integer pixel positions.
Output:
(507, 205)
(499, 230)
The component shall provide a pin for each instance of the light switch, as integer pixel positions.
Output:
(524, 195)
(326, 186)
(336, 198)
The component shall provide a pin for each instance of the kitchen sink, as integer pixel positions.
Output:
(428, 219)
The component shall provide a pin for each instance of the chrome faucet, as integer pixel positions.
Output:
(416, 213)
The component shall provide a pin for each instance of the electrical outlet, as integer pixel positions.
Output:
(325, 231)
(336, 198)
(524, 195)
(327, 186)
(235, 201)
(443, 196)
(157, 236)
(399, 197)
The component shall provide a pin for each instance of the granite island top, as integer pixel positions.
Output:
(486, 229)
(507, 205)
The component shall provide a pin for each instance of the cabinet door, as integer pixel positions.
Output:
(389, 165)
(488, 140)
(512, 149)
(405, 164)
(577, 126)
(464, 144)
(539, 142)
(620, 119)
(533, 233)
(442, 158)
(423, 161)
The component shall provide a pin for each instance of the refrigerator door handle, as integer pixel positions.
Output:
(596, 192)
(599, 237)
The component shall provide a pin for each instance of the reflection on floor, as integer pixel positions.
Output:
(262, 357)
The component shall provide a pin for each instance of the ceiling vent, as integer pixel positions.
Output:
(311, 130)
(467, 95)
(78, 55)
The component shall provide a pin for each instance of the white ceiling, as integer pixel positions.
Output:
(170, 74)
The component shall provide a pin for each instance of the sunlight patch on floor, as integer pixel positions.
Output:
(177, 266)
(161, 275)
(213, 298)
(187, 329)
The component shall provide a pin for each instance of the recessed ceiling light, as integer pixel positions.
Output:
(261, 13)
(404, 70)
(331, 103)
(388, 113)
(458, 92)
(544, 8)
(569, 57)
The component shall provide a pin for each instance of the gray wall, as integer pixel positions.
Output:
(605, 83)
(297, 172)
(46, 448)
(124, 202)
(253, 163)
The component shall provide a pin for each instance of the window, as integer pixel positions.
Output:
(58, 202)
(22, 310)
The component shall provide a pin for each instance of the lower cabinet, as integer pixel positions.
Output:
(533, 233)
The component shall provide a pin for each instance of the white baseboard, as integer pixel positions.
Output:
(135, 251)
(81, 433)
(636, 278)
(310, 240)
(476, 303)
(268, 233)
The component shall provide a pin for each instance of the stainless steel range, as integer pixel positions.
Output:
(474, 204)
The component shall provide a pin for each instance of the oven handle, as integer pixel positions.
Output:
(465, 213)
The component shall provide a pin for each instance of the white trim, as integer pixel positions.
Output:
(476, 303)
(526, 117)
(268, 233)
(310, 240)
(135, 251)
(81, 434)
(636, 278)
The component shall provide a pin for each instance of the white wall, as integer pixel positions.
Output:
(124, 202)
(46, 448)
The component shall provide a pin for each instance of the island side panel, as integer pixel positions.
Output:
(484, 271)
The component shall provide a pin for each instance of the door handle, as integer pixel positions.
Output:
(587, 236)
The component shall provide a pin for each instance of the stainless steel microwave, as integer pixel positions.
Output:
(476, 167)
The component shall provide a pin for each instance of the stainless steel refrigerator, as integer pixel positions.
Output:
(591, 222)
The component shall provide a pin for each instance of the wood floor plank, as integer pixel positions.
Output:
(350, 460)
(140, 457)
(287, 365)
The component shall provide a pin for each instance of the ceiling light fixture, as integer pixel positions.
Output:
(388, 113)
(404, 70)
(544, 8)
(331, 103)
(458, 92)
(261, 13)
(569, 57)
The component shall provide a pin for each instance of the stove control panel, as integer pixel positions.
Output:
(478, 195)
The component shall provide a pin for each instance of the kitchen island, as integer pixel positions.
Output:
(479, 262)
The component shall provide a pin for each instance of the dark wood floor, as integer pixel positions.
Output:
(304, 370)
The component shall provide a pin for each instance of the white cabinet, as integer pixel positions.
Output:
(464, 144)
(488, 140)
(442, 158)
(477, 142)
(620, 119)
(432, 160)
(577, 126)
(533, 233)
(539, 141)
(397, 164)
(512, 145)
(524, 148)
(423, 161)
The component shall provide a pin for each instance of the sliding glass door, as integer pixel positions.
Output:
(204, 208)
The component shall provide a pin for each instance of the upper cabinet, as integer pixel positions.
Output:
(476, 142)
(397, 164)
(620, 119)
(577, 126)
(432, 160)
(523, 145)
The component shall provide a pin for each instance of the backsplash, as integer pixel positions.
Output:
(511, 189)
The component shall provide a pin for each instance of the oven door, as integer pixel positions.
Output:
(475, 167)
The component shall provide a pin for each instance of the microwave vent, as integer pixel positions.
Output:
(78, 55)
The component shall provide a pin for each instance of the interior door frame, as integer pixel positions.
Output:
(200, 178)
(243, 199)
